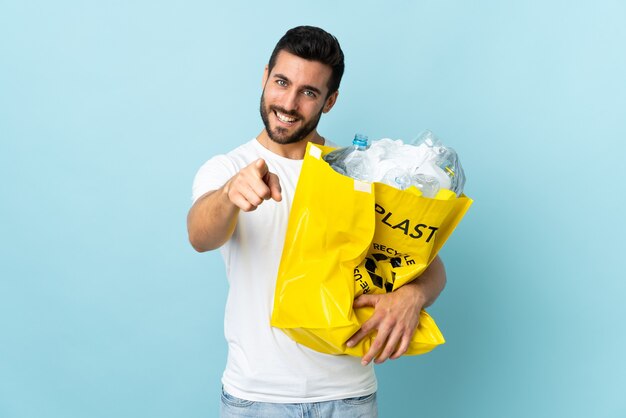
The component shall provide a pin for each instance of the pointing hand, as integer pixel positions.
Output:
(252, 185)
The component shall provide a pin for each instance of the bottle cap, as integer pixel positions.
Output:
(360, 140)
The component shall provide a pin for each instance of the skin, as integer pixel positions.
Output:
(396, 314)
(296, 90)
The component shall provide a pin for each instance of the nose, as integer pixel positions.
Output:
(290, 100)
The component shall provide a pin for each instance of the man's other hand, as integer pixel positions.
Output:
(395, 319)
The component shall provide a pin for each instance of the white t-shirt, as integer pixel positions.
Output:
(264, 364)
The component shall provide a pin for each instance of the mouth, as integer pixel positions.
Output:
(284, 118)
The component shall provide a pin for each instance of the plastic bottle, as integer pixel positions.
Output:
(444, 163)
(397, 177)
(352, 161)
(450, 164)
(428, 185)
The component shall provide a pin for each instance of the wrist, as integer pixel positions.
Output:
(416, 293)
(225, 195)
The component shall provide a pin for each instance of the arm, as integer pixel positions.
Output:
(212, 218)
(396, 314)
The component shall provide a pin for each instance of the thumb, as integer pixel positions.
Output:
(365, 300)
(273, 183)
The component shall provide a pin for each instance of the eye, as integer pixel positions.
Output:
(310, 94)
(281, 83)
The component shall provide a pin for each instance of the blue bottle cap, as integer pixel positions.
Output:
(360, 140)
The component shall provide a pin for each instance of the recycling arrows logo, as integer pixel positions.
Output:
(371, 265)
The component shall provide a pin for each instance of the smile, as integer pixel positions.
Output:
(284, 118)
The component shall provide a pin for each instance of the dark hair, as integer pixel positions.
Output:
(313, 44)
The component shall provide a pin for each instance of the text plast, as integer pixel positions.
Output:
(408, 227)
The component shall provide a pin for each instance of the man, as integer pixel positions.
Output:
(241, 205)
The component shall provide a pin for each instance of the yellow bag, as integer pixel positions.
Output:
(345, 238)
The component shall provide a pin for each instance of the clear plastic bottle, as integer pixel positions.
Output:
(352, 161)
(450, 164)
(444, 163)
(428, 185)
(397, 177)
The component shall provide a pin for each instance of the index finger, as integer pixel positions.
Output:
(261, 167)
(255, 175)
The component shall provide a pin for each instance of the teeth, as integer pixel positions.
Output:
(285, 118)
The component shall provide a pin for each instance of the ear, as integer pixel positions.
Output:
(265, 75)
(330, 102)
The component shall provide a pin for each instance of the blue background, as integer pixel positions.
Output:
(107, 109)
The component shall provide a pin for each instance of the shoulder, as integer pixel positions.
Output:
(328, 143)
(244, 154)
(235, 159)
(220, 168)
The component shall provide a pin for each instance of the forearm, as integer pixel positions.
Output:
(211, 220)
(430, 283)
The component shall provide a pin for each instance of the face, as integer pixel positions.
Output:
(294, 97)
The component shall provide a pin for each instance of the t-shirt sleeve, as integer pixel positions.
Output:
(212, 175)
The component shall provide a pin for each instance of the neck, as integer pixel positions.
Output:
(294, 151)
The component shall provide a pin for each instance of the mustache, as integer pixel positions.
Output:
(292, 113)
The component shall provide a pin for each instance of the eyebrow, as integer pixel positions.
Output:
(307, 87)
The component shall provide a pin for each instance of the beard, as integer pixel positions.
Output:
(279, 134)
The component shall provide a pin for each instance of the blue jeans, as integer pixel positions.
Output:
(361, 407)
